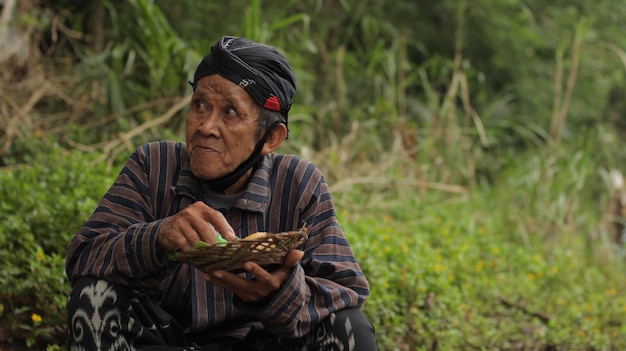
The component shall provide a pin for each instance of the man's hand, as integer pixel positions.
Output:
(195, 223)
(264, 285)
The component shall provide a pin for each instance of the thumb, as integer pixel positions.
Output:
(292, 258)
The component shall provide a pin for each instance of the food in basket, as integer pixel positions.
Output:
(266, 249)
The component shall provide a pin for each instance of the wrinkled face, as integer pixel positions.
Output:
(222, 127)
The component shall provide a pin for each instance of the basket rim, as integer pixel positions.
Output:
(213, 257)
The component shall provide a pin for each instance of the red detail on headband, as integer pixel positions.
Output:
(272, 103)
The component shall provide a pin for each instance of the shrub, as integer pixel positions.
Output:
(42, 205)
(509, 267)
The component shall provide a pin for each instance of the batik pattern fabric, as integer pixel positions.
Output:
(332, 335)
(101, 328)
(107, 317)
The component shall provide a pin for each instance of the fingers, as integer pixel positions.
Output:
(177, 233)
(205, 222)
(195, 223)
(218, 222)
(204, 230)
(262, 287)
(264, 284)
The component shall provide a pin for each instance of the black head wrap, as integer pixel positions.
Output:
(260, 70)
(263, 73)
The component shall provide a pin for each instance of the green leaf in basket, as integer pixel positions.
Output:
(219, 240)
(200, 244)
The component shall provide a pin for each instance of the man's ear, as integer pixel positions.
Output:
(276, 137)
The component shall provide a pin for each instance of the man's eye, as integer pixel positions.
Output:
(230, 112)
(199, 106)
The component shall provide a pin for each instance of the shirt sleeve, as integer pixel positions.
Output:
(118, 241)
(327, 280)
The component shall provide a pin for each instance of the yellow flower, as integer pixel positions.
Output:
(36, 318)
(479, 266)
(555, 269)
(37, 134)
(539, 274)
(40, 255)
(531, 276)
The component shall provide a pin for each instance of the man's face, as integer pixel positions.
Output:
(222, 128)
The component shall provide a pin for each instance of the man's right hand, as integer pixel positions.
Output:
(195, 223)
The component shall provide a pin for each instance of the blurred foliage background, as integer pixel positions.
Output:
(474, 149)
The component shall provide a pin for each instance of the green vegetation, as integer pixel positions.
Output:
(42, 204)
(473, 150)
(518, 266)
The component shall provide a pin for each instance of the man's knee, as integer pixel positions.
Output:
(101, 314)
(95, 313)
(353, 326)
(355, 318)
(93, 294)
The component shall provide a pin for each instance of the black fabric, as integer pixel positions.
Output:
(260, 70)
(104, 316)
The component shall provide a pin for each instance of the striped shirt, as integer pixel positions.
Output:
(118, 243)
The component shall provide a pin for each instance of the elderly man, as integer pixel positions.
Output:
(225, 180)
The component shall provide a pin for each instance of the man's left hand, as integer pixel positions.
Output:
(264, 285)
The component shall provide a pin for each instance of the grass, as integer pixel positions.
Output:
(447, 276)
(523, 264)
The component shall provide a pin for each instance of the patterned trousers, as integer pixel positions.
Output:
(107, 317)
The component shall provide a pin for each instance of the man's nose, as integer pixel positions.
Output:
(211, 124)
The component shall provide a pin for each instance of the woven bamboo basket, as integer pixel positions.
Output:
(266, 249)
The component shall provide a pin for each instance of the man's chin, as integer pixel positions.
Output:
(204, 174)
